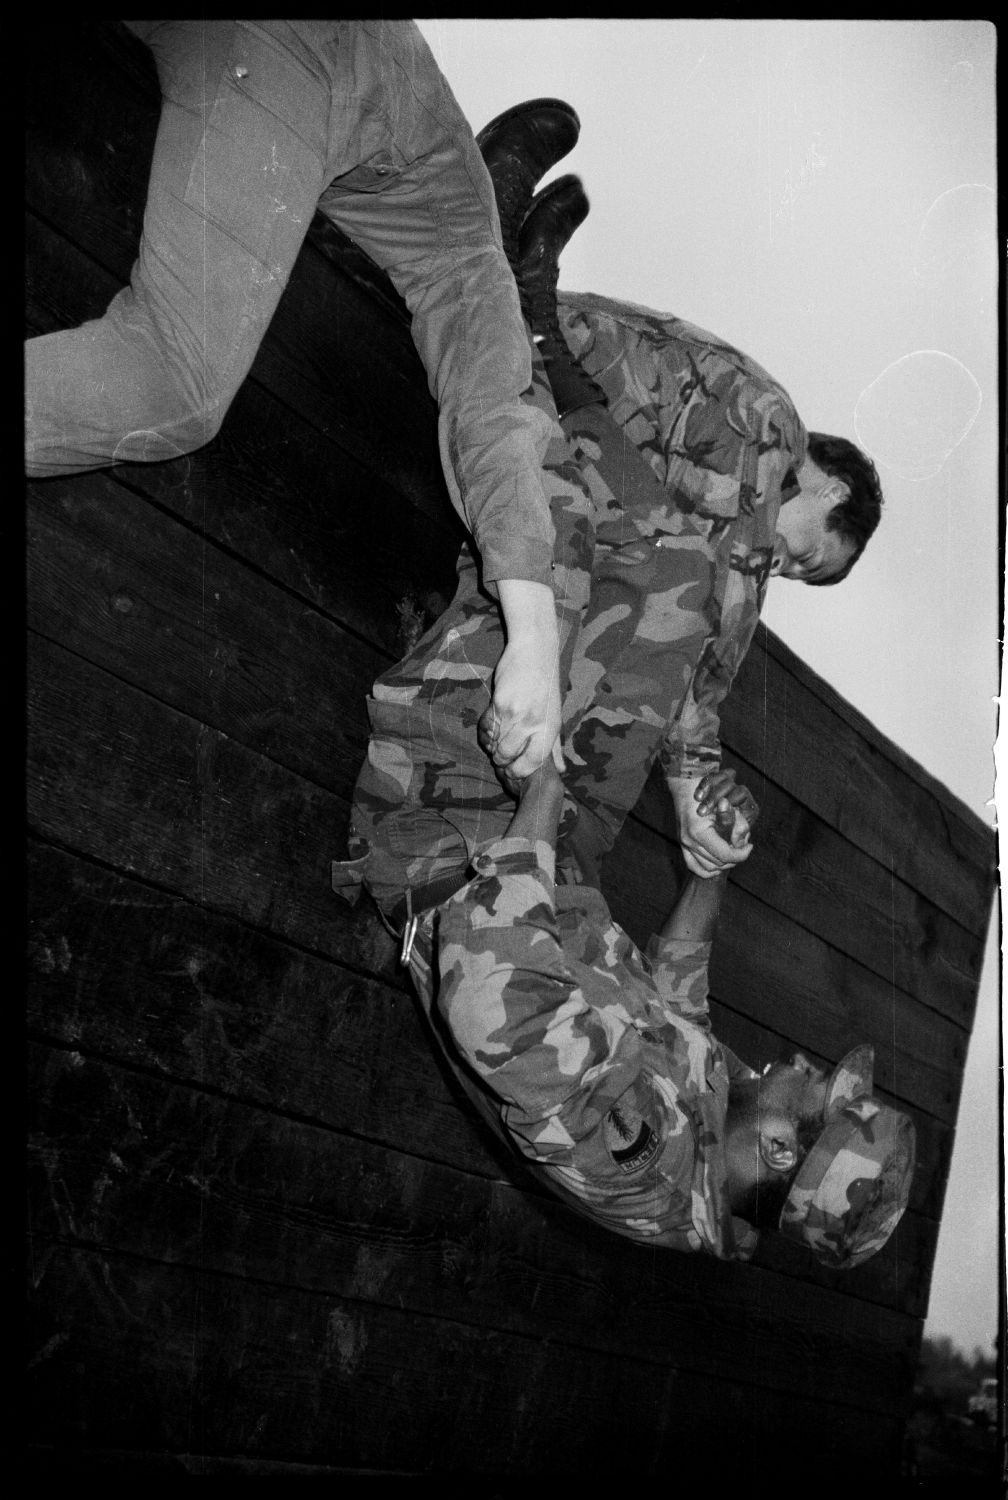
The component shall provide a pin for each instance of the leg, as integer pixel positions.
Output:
(239, 163)
(422, 206)
(641, 637)
(427, 795)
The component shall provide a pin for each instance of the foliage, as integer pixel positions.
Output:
(947, 1375)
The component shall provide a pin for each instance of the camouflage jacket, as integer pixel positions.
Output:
(597, 1059)
(680, 568)
(664, 510)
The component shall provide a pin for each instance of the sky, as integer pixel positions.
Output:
(822, 194)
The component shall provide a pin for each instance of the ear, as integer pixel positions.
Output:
(778, 1143)
(834, 493)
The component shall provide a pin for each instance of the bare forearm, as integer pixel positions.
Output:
(529, 613)
(694, 916)
(521, 728)
(541, 802)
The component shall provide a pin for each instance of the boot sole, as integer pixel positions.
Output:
(527, 104)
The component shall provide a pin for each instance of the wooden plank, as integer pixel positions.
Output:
(126, 971)
(800, 867)
(123, 972)
(973, 827)
(767, 965)
(188, 808)
(234, 853)
(40, 1461)
(139, 595)
(170, 1173)
(151, 791)
(99, 75)
(132, 590)
(782, 718)
(809, 988)
(162, 1357)
(272, 489)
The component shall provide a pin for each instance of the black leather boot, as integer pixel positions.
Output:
(519, 147)
(555, 214)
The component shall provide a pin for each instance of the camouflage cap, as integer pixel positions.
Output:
(851, 1190)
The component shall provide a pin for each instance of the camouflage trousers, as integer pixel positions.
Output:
(427, 796)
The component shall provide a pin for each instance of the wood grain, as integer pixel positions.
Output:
(120, 971)
(351, 1383)
(170, 1173)
(268, 1233)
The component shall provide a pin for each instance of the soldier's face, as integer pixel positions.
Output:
(804, 550)
(796, 1088)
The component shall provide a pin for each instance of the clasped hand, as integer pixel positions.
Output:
(521, 727)
(716, 817)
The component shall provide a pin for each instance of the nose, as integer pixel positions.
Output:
(780, 556)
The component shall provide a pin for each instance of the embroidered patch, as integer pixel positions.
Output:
(630, 1140)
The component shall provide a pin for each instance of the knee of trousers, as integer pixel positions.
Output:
(185, 433)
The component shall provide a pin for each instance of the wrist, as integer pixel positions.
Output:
(529, 612)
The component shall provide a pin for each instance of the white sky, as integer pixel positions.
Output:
(822, 194)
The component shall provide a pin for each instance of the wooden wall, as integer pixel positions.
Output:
(266, 1233)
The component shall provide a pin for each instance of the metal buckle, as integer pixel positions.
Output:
(409, 931)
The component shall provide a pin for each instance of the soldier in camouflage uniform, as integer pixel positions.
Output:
(597, 1062)
(667, 507)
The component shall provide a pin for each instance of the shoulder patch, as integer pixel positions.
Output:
(629, 1138)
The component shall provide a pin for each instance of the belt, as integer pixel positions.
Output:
(420, 898)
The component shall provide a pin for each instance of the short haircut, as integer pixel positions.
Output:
(856, 517)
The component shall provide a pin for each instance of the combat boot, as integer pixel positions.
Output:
(519, 147)
(555, 214)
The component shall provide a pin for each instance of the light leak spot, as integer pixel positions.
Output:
(917, 412)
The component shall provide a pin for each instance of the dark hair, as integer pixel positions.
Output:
(856, 517)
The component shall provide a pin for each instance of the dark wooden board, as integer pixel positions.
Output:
(147, 789)
(831, 760)
(129, 588)
(45, 1461)
(126, 973)
(799, 865)
(185, 1360)
(170, 1172)
(271, 489)
(141, 596)
(766, 962)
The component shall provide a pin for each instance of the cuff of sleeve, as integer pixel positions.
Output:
(516, 856)
(677, 951)
(679, 971)
(528, 558)
(690, 762)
